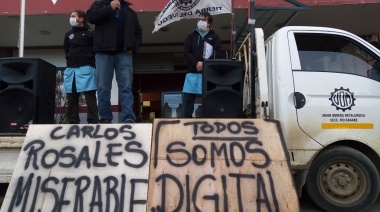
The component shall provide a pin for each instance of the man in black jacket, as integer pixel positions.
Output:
(194, 55)
(117, 36)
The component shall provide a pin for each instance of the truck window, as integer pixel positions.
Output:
(335, 54)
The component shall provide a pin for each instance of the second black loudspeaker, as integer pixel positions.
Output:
(222, 91)
(27, 93)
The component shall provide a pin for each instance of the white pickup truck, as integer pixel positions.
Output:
(323, 85)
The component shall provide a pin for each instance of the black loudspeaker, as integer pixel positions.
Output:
(27, 93)
(222, 94)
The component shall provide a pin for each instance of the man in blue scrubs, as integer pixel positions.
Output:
(194, 56)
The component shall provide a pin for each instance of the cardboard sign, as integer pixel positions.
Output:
(219, 165)
(82, 168)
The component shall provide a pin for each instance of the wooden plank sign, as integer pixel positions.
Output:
(219, 165)
(82, 168)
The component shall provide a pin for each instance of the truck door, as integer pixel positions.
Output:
(336, 86)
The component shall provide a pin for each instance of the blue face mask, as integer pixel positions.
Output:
(202, 26)
(73, 22)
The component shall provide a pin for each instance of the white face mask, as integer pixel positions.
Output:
(202, 26)
(73, 22)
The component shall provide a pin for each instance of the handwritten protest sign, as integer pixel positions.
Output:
(82, 168)
(219, 165)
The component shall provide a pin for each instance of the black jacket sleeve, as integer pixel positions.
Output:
(66, 44)
(188, 52)
(218, 53)
(99, 11)
(138, 33)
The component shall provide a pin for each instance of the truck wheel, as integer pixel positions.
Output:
(343, 179)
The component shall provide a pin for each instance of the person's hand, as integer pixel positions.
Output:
(199, 66)
(115, 4)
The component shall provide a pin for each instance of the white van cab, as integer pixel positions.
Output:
(323, 85)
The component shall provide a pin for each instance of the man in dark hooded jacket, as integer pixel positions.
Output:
(194, 50)
(117, 36)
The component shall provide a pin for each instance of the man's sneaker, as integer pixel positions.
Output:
(129, 121)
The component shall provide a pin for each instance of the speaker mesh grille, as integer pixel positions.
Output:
(223, 103)
(16, 108)
(27, 91)
(222, 92)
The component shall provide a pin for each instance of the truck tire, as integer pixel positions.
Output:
(343, 179)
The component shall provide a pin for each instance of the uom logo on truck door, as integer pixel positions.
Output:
(342, 99)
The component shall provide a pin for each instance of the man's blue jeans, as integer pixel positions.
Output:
(106, 64)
